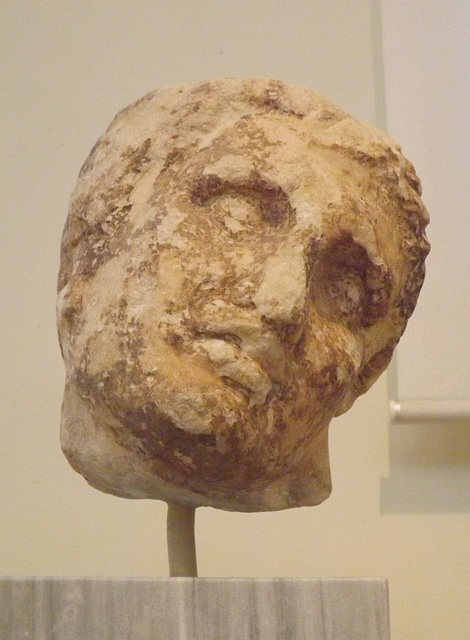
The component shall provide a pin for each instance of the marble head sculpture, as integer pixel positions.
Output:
(238, 264)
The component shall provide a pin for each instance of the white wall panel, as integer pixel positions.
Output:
(426, 51)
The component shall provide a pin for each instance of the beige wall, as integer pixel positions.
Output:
(69, 66)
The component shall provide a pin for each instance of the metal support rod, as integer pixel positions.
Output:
(181, 540)
(429, 411)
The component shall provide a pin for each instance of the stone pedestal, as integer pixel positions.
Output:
(193, 609)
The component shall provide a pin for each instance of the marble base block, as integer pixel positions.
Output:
(193, 609)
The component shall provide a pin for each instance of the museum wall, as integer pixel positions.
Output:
(67, 68)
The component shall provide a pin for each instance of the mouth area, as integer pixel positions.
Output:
(231, 364)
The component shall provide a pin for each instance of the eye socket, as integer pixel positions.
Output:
(347, 286)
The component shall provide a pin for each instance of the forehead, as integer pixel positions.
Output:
(250, 135)
(283, 150)
(279, 159)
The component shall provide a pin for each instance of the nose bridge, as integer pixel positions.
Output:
(281, 295)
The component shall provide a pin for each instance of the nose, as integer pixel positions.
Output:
(281, 295)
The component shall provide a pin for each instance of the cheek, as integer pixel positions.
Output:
(333, 354)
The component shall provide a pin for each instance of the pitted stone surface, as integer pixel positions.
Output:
(239, 262)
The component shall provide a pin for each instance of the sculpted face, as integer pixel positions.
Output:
(239, 261)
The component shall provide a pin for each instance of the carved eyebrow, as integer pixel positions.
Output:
(207, 187)
(271, 200)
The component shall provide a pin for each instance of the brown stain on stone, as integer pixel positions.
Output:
(363, 249)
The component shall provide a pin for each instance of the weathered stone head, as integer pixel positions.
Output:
(239, 262)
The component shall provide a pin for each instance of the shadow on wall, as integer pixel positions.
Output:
(429, 469)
